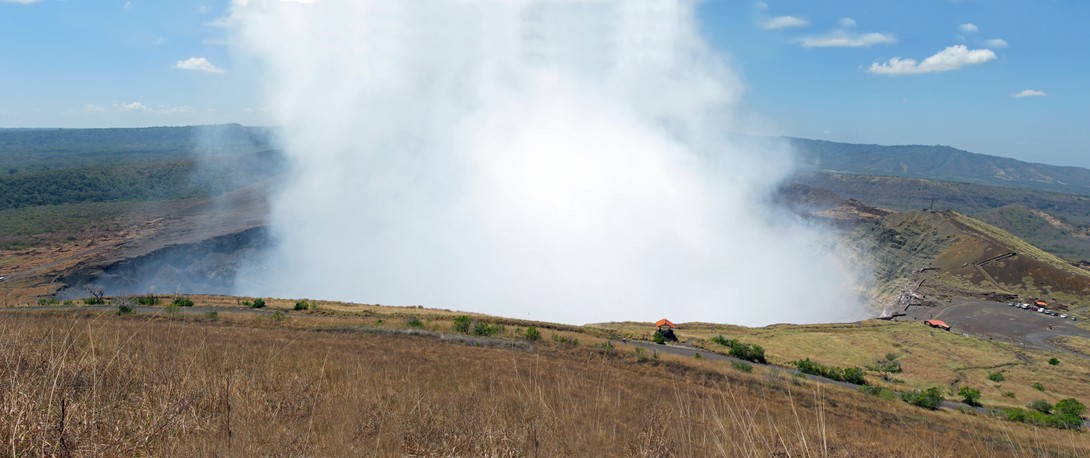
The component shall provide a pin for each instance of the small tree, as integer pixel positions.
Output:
(461, 324)
(659, 338)
(1070, 406)
(1053, 361)
(970, 396)
(930, 398)
(532, 334)
(97, 295)
(301, 305)
(258, 303)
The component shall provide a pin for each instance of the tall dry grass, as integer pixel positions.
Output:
(82, 384)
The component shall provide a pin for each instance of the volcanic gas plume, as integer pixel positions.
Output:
(570, 161)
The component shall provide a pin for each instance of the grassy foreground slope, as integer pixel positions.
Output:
(368, 380)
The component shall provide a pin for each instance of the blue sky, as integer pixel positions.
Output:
(1003, 77)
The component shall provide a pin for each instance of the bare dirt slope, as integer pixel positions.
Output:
(149, 227)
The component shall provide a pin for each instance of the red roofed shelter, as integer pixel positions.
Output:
(665, 323)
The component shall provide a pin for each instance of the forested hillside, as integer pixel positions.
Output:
(940, 163)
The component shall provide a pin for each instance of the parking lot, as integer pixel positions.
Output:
(998, 320)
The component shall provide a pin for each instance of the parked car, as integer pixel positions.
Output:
(1025, 306)
(1063, 316)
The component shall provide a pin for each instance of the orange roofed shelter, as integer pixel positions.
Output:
(664, 322)
(1041, 303)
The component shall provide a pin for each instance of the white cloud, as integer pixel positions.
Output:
(762, 6)
(1029, 93)
(199, 64)
(842, 39)
(784, 22)
(846, 22)
(219, 23)
(995, 43)
(131, 106)
(21, 2)
(968, 27)
(951, 58)
(91, 108)
(128, 5)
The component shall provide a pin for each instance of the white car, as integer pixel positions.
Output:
(1041, 310)
(1025, 306)
(1063, 316)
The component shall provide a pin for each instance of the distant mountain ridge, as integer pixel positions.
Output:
(940, 163)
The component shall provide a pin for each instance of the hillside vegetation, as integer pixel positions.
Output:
(1055, 221)
(397, 382)
(939, 162)
(63, 184)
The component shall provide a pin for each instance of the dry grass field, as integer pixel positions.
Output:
(84, 383)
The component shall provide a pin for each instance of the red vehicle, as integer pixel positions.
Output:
(938, 324)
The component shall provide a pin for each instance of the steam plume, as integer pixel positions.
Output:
(555, 160)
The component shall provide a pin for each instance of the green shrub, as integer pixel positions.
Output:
(413, 322)
(878, 391)
(532, 334)
(278, 316)
(723, 341)
(1053, 361)
(182, 302)
(996, 377)
(47, 301)
(659, 338)
(95, 301)
(1041, 405)
(461, 324)
(565, 340)
(970, 396)
(744, 367)
(1008, 394)
(1070, 406)
(930, 398)
(752, 353)
(303, 305)
(124, 310)
(852, 375)
(148, 300)
(1066, 414)
(212, 315)
(481, 328)
(1038, 386)
(887, 366)
(258, 303)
